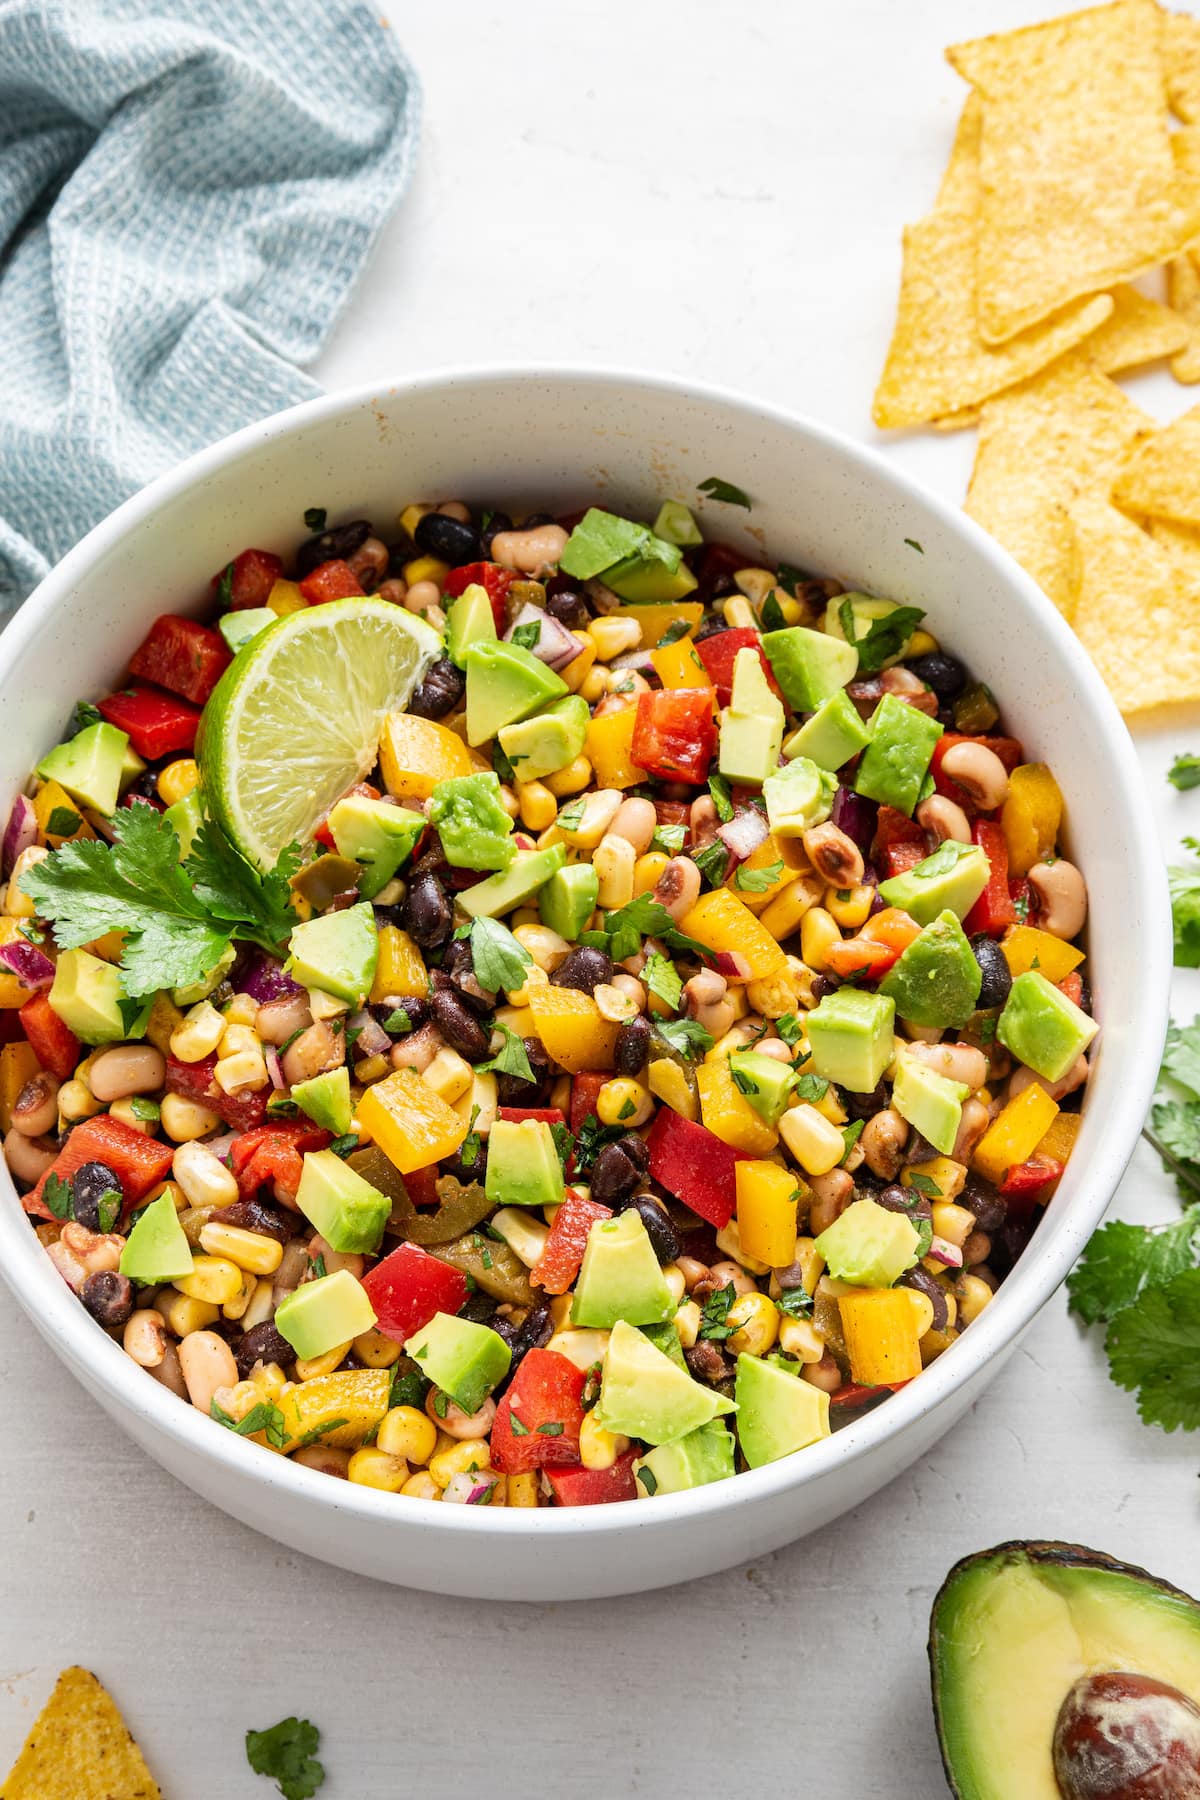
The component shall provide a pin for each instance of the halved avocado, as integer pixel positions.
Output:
(1014, 1628)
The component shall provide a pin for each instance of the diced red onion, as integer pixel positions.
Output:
(31, 966)
(555, 646)
(635, 659)
(943, 1251)
(265, 980)
(221, 1146)
(744, 833)
(274, 1066)
(21, 831)
(372, 1039)
(731, 964)
(856, 817)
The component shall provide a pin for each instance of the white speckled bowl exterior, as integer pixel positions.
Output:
(558, 439)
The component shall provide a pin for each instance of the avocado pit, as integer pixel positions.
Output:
(1122, 1736)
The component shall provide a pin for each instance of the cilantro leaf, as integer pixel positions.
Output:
(397, 1021)
(1181, 1058)
(229, 889)
(757, 881)
(663, 978)
(58, 1197)
(724, 490)
(714, 1317)
(718, 788)
(772, 615)
(811, 1087)
(512, 1058)
(85, 714)
(643, 917)
(924, 1184)
(884, 637)
(286, 1751)
(1184, 772)
(498, 959)
(649, 1481)
(526, 636)
(1154, 1349)
(685, 1036)
(1176, 1126)
(796, 1303)
(789, 1028)
(712, 861)
(265, 1416)
(314, 518)
(1184, 886)
(1123, 1260)
(669, 838)
(590, 1139)
(64, 821)
(678, 628)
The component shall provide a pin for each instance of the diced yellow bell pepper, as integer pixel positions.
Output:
(787, 905)
(668, 1083)
(285, 597)
(49, 799)
(728, 1114)
(426, 568)
(722, 922)
(338, 1409)
(575, 671)
(108, 948)
(935, 1342)
(610, 749)
(679, 666)
(655, 620)
(880, 1328)
(812, 1263)
(415, 754)
(572, 1030)
(1014, 1134)
(401, 967)
(939, 1173)
(770, 854)
(1030, 816)
(13, 992)
(412, 1125)
(1025, 948)
(165, 1019)
(1059, 1141)
(766, 1211)
(18, 1063)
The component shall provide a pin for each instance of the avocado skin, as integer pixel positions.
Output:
(1035, 1551)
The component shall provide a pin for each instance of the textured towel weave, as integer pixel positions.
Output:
(185, 201)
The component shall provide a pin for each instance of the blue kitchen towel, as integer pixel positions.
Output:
(187, 192)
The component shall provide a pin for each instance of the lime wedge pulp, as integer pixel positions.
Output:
(295, 719)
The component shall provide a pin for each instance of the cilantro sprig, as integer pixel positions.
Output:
(287, 1752)
(884, 637)
(1184, 772)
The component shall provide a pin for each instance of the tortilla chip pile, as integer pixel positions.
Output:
(79, 1749)
(1068, 180)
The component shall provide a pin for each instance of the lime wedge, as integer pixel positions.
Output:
(295, 719)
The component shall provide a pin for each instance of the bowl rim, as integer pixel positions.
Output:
(54, 1309)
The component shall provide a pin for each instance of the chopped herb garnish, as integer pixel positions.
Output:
(511, 1059)
(795, 1303)
(518, 1429)
(498, 959)
(884, 637)
(58, 1197)
(627, 1110)
(63, 822)
(923, 1184)
(1183, 773)
(712, 861)
(714, 1317)
(772, 615)
(225, 588)
(757, 881)
(669, 839)
(851, 1134)
(717, 489)
(663, 978)
(678, 628)
(551, 1429)
(397, 1021)
(527, 635)
(343, 1146)
(317, 1265)
(85, 714)
(685, 1036)
(265, 1417)
(648, 1480)
(314, 518)
(811, 1087)
(789, 1028)
(914, 545)
(718, 787)
(441, 1404)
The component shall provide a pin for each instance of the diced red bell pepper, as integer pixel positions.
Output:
(719, 652)
(537, 1422)
(1071, 985)
(674, 735)
(994, 911)
(859, 956)
(421, 1186)
(559, 1262)
(674, 812)
(494, 580)
(899, 843)
(195, 1081)
(252, 574)
(323, 834)
(853, 1393)
(409, 1286)
(155, 723)
(543, 1115)
(693, 1164)
(595, 1487)
(139, 1162)
(274, 1153)
(182, 656)
(1007, 749)
(333, 580)
(1028, 1183)
(55, 1046)
(585, 1092)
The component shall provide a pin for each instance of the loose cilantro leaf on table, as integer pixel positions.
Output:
(1184, 772)
(1123, 1260)
(287, 1752)
(884, 638)
(717, 489)
(1184, 886)
(1154, 1350)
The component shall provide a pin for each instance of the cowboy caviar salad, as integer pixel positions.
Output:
(538, 1013)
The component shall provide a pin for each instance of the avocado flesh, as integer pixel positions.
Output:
(1013, 1628)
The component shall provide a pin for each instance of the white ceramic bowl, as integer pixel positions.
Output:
(557, 440)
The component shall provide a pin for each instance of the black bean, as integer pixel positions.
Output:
(415, 1009)
(616, 1172)
(583, 969)
(93, 1185)
(923, 1282)
(252, 1215)
(460, 1028)
(659, 1229)
(479, 1308)
(569, 608)
(437, 534)
(440, 692)
(979, 1197)
(706, 1363)
(997, 977)
(262, 1343)
(714, 623)
(466, 985)
(499, 521)
(430, 915)
(336, 544)
(533, 1333)
(823, 986)
(108, 1297)
(466, 1172)
(632, 1047)
(943, 673)
(894, 1198)
(536, 519)
(864, 1106)
(514, 1090)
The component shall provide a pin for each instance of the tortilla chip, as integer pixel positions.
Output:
(1136, 614)
(1181, 544)
(1183, 292)
(79, 1749)
(1063, 435)
(1161, 477)
(937, 365)
(1181, 64)
(1079, 188)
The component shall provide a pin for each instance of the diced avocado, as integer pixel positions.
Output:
(704, 1455)
(462, 1358)
(643, 1394)
(766, 1082)
(931, 1103)
(676, 524)
(936, 980)
(520, 881)
(777, 1412)
(326, 1100)
(834, 734)
(321, 1314)
(336, 953)
(752, 724)
(156, 1249)
(523, 1167)
(601, 540)
(809, 665)
(86, 994)
(347, 1211)
(866, 610)
(1040, 1026)
(469, 621)
(665, 1337)
(505, 683)
(568, 899)
(650, 581)
(186, 816)
(202, 987)
(237, 628)
(852, 1038)
(798, 797)
(132, 766)
(89, 766)
(896, 761)
(468, 816)
(951, 880)
(869, 1246)
(620, 1277)
(548, 741)
(376, 835)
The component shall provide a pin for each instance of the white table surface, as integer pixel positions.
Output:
(708, 189)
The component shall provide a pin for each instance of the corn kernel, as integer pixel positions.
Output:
(818, 933)
(376, 1350)
(594, 685)
(954, 1223)
(426, 568)
(546, 947)
(421, 1486)
(241, 1010)
(238, 1306)
(536, 804)
(673, 1275)
(238, 1038)
(800, 1337)
(599, 1449)
(599, 811)
(202, 1030)
(688, 1319)
(647, 870)
(921, 643)
(624, 1102)
(754, 583)
(850, 907)
(739, 613)
(250, 1250)
(17, 904)
(614, 860)
(449, 1075)
(408, 1433)
(177, 781)
(370, 1467)
(213, 1278)
(308, 1368)
(76, 1101)
(816, 1145)
(133, 1113)
(615, 635)
(523, 1489)
(772, 998)
(269, 1379)
(922, 1307)
(371, 1068)
(459, 1458)
(756, 1319)
(246, 1071)
(184, 1314)
(973, 1295)
(571, 780)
